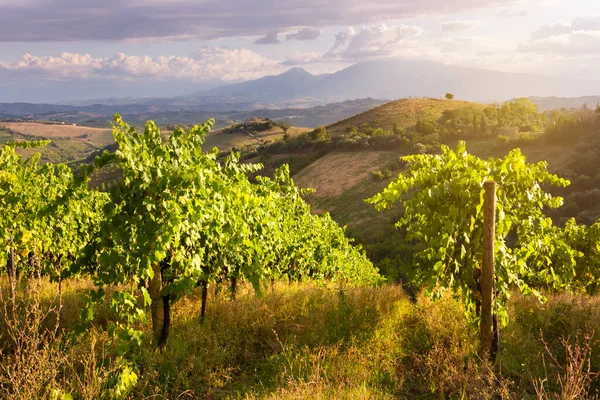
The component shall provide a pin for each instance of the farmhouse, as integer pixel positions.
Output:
(250, 122)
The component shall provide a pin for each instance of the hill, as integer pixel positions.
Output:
(550, 103)
(405, 113)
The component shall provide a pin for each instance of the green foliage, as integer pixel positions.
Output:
(181, 213)
(426, 126)
(585, 240)
(320, 134)
(521, 113)
(48, 212)
(449, 96)
(443, 199)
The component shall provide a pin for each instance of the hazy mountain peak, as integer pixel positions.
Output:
(296, 72)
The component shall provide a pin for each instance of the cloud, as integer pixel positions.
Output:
(138, 20)
(586, 23)
(514, 13)
(303, 59)
(206, 65)
(269, 38)
(581, 23)
(459, 26)
(381, 40)
(549, 30)
(304, 34)
(572, 43)
(579, 37)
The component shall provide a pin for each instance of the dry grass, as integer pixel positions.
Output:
(405, 113)
(50, 131)
(342, 181)
(339, 172)
(301, 341)
(225, 141)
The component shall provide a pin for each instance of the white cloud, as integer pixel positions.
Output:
(580, 37)
(381, 40)
(214, 64)
(549, 30)
(586, 23)
(303, 59)
(573, 43)
(460, 26)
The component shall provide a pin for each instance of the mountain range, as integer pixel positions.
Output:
(387, 79)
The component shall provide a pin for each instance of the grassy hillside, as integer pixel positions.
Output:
(342, 181)
(224, 139)
(69, 143)
(405, 113)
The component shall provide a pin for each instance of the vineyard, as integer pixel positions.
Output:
(194, 276)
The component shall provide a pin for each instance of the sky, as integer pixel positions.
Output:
(60, 50)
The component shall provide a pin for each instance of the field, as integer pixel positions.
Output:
(226, 140)
(56, 131)
(68, 143)
(302, 341)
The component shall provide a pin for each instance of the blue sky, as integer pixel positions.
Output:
(55, 50)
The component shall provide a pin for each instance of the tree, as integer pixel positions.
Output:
(320, 134)
(443, 199)
(398, 130)
(449, 96)
(285, 126)
(426, 126)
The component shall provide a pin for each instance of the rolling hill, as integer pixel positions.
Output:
(405, 113)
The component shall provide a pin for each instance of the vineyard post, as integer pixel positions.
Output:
(204, 285)
(158, 307)
(487, 272)
(12, 273)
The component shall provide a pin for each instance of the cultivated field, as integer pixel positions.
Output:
(50, 131)
(226, 140)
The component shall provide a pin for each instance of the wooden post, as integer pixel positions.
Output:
(11, 269)
(204, 285)
(487, 271)
(160, 319)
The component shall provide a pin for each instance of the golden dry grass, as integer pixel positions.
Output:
(405, 113)
(303, 341)
(339, 172)
(49, 131)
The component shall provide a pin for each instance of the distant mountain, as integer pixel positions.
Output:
(550, 103)
(394, 78)
(382, 79)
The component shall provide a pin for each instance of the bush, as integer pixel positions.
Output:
(419, 148)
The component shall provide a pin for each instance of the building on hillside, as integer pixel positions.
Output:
(250, 122)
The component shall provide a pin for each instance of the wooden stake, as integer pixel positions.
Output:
(204, 285)
(487, 272)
